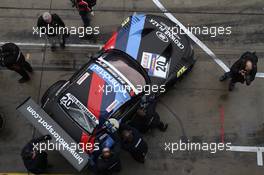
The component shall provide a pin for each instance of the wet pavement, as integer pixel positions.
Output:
(198, 108)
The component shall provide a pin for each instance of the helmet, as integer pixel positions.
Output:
(114, 122)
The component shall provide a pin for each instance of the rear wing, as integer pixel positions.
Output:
(46, 125)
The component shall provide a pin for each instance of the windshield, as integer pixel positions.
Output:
(134, 76)
(129, 72)
(78, 112)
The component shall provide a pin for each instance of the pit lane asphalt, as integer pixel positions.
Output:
(192, 107)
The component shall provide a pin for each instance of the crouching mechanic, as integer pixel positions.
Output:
(12, 58)
(35, 161)
(244, 69)
(53, 27)
(144, 120)
(132, 141)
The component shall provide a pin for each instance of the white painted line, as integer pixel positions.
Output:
(260, 158)
(246, 148)
(99, 46)
(258, 150)
(195, 39)
(260, 75)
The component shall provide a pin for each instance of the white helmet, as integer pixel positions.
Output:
(114, 122)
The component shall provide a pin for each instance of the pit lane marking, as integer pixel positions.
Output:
(96, 46)
(29, 174)
(258, 150)
(248, 149)
(195, 39)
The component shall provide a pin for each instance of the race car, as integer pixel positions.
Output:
(143, 51)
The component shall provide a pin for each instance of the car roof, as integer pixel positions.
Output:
(90, 89)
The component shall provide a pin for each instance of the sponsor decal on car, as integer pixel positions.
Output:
(113, 78)
(162, 37)
(181, 71)
(104, 74)
(125, 21)
(146, 60)
(112, 106)
(166, 31)
(157, 65)
(112, 72)
(83, 78)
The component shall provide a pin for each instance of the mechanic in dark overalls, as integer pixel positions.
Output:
(51, 25)
(144, 120)
(35, 161)
(242, 70)
(107, 159)
(132, 141)
(12, 58)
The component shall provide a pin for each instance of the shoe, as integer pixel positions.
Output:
(231, 86)
(222, 78)
(53, 48)
(1, 122)
(23, 80)
(62, 45)
(30, 70)
(62, 42)
(164, 127)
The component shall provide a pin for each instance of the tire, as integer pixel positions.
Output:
(52, 90)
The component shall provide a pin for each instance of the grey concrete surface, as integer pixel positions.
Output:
(192, 108)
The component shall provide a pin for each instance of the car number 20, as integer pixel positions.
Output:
(161, 67)
(66, 101)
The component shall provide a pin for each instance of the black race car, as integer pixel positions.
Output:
(143, 52)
